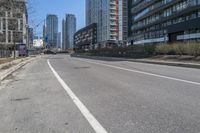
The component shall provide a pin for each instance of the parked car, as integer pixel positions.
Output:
(49, 52)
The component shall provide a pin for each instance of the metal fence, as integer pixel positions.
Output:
(5, 53)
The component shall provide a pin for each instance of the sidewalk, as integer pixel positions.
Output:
(9, 67)
(167, 62)
(145, 60)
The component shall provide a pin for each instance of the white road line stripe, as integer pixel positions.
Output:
(98, 128)
(141, 72)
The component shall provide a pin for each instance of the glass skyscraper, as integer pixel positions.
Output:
(68, 31)
(52, 30)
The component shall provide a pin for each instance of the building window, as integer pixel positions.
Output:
(12, 24)
(9, 14)
(18, 37)
(18, 15)
(3, 37)
(9, 36)
(21, 25)
(4, 24)
(2, 14)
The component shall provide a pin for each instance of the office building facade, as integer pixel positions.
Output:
(86, 38)
(64, 46)
(59, 40)
(162, 21)
(52, 30)
(68, 31)
(109, 16)
(13, 23)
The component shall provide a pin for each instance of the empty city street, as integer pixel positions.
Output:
(63, 94)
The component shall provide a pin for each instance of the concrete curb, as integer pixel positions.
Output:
(9, 71)
(179, 64)
(169, 63)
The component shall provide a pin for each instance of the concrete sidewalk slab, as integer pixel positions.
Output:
(15, 65)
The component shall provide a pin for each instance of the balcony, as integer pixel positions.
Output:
(113, 24)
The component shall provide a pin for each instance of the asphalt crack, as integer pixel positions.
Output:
(20, 99)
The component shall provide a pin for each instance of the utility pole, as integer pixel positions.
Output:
(14, 50)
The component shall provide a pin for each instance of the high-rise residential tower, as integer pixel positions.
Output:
(123, 20)
(15, 30)
(68, 31)
(111, 19)
(52, 30)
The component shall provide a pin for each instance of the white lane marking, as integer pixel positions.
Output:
(98, 128)
(141, 72)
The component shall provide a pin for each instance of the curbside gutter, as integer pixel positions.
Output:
(17, 65)
(169, 63)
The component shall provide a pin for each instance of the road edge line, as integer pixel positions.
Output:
(98, 128)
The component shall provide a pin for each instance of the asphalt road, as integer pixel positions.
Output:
(61, 94)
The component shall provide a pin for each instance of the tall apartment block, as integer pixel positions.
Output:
(110, 16)
(123, 20)
(68, 31)
(160, 21)
(52, 30)
(13, 22)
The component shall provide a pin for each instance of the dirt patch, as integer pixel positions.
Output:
(5, 60)
(7, 66)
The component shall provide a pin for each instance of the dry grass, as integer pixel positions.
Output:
(192, 49)
(7, 66)
(5, 60)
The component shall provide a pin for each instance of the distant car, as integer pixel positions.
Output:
(49, 52)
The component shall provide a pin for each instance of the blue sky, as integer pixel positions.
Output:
(38, 10)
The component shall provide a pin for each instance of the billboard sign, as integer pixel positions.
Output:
(38, 43)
